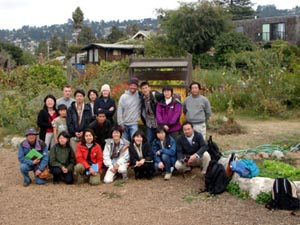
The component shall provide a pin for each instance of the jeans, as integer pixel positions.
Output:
(150, 135)
(24, 168)
(129, 131)
(168, 162)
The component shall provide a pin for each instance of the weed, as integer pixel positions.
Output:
(263, 197)
(235, 190)
(111, 195)
(119, 183)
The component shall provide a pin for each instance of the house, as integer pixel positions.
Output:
(271, 28)
(110, 52)
(142, 35)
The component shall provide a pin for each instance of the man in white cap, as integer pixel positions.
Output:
(36, 162)
(105, 103)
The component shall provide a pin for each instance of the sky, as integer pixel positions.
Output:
(16, 13)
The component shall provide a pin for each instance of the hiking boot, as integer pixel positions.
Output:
(168, 176)
(202, 183)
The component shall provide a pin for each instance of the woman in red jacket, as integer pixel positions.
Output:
(89, 159)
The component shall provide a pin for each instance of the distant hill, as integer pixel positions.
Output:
(28, 36)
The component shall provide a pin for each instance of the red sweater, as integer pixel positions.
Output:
(96, 155)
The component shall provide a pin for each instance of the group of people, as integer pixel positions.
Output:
(83, 138)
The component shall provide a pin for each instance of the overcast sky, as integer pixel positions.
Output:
(16, 13)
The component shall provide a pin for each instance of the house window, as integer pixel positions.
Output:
(278, 31)
(116, 52)
(239, 29)
(96, 55)
(91, 55)
(266, 32)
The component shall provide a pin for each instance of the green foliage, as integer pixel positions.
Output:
(77, 17)
(115, 35)
(274, 169)
(232, 42)
(86, 36)
(160, 46)
(235, 190)
(263, 197)
(14, 51)
(28, 58)
(194, 26)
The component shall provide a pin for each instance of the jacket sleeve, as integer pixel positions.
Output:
(120, 112)
(159, 118)
(79, 156)
(172, 150)
(207, 109)
(44, 160)
(21, 156)
(70, 124)
(124, 157)
(108, 112)
(203, 146)
(176, 114)
(42, 120)
(72, 160)
(52, 158)
(132, 155)
(99, 157)
(155, 148)
(106, 155)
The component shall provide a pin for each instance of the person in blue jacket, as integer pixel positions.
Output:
(34, 164)
(164, 149)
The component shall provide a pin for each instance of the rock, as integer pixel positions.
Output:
(15, 141)
(277, 154)
(250, 155)
(262, 155)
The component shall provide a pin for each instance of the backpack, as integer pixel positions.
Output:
(213, 149)
(245, 168)
(284, 195)
(215, 178)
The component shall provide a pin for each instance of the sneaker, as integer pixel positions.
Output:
(168, 176)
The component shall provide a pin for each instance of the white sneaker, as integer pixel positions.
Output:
(168, 176)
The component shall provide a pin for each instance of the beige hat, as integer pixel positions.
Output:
(105, 87)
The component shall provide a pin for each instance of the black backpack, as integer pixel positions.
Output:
(213, 149)
(284, 195)
(215, 178)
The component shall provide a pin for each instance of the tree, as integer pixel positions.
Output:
(14, 51)
(115, 35)
(77, 17)
(131, 29)
(231, 42)
(86, 36)
(54, 42)
(43, 48)
(64, 44)
(240, 9)
(194, 26)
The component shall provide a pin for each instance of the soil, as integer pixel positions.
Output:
(141, 201)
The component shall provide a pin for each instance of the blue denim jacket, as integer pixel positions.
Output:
(40, 146)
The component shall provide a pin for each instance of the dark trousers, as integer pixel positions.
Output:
(58, 174)
(146, 170)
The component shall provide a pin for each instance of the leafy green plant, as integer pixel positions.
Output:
(235, 190)
(263, 197)
(274, 169)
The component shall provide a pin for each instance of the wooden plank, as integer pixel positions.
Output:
(160, 75)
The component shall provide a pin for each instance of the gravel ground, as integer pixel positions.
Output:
(140, 201)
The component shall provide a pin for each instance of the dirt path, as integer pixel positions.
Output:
(143, 201)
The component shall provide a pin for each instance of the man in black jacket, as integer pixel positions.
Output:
(191, 151)
(149, 100)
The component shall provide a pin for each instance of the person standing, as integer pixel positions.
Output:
(168, 112)
(79, 117)
(129, 110)
(36, 164)
(149, 100)
(66, 99)
(92, 96)
(191, 152)
(196, 108)
(60, 122)
(45, 120)
(105, 103)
